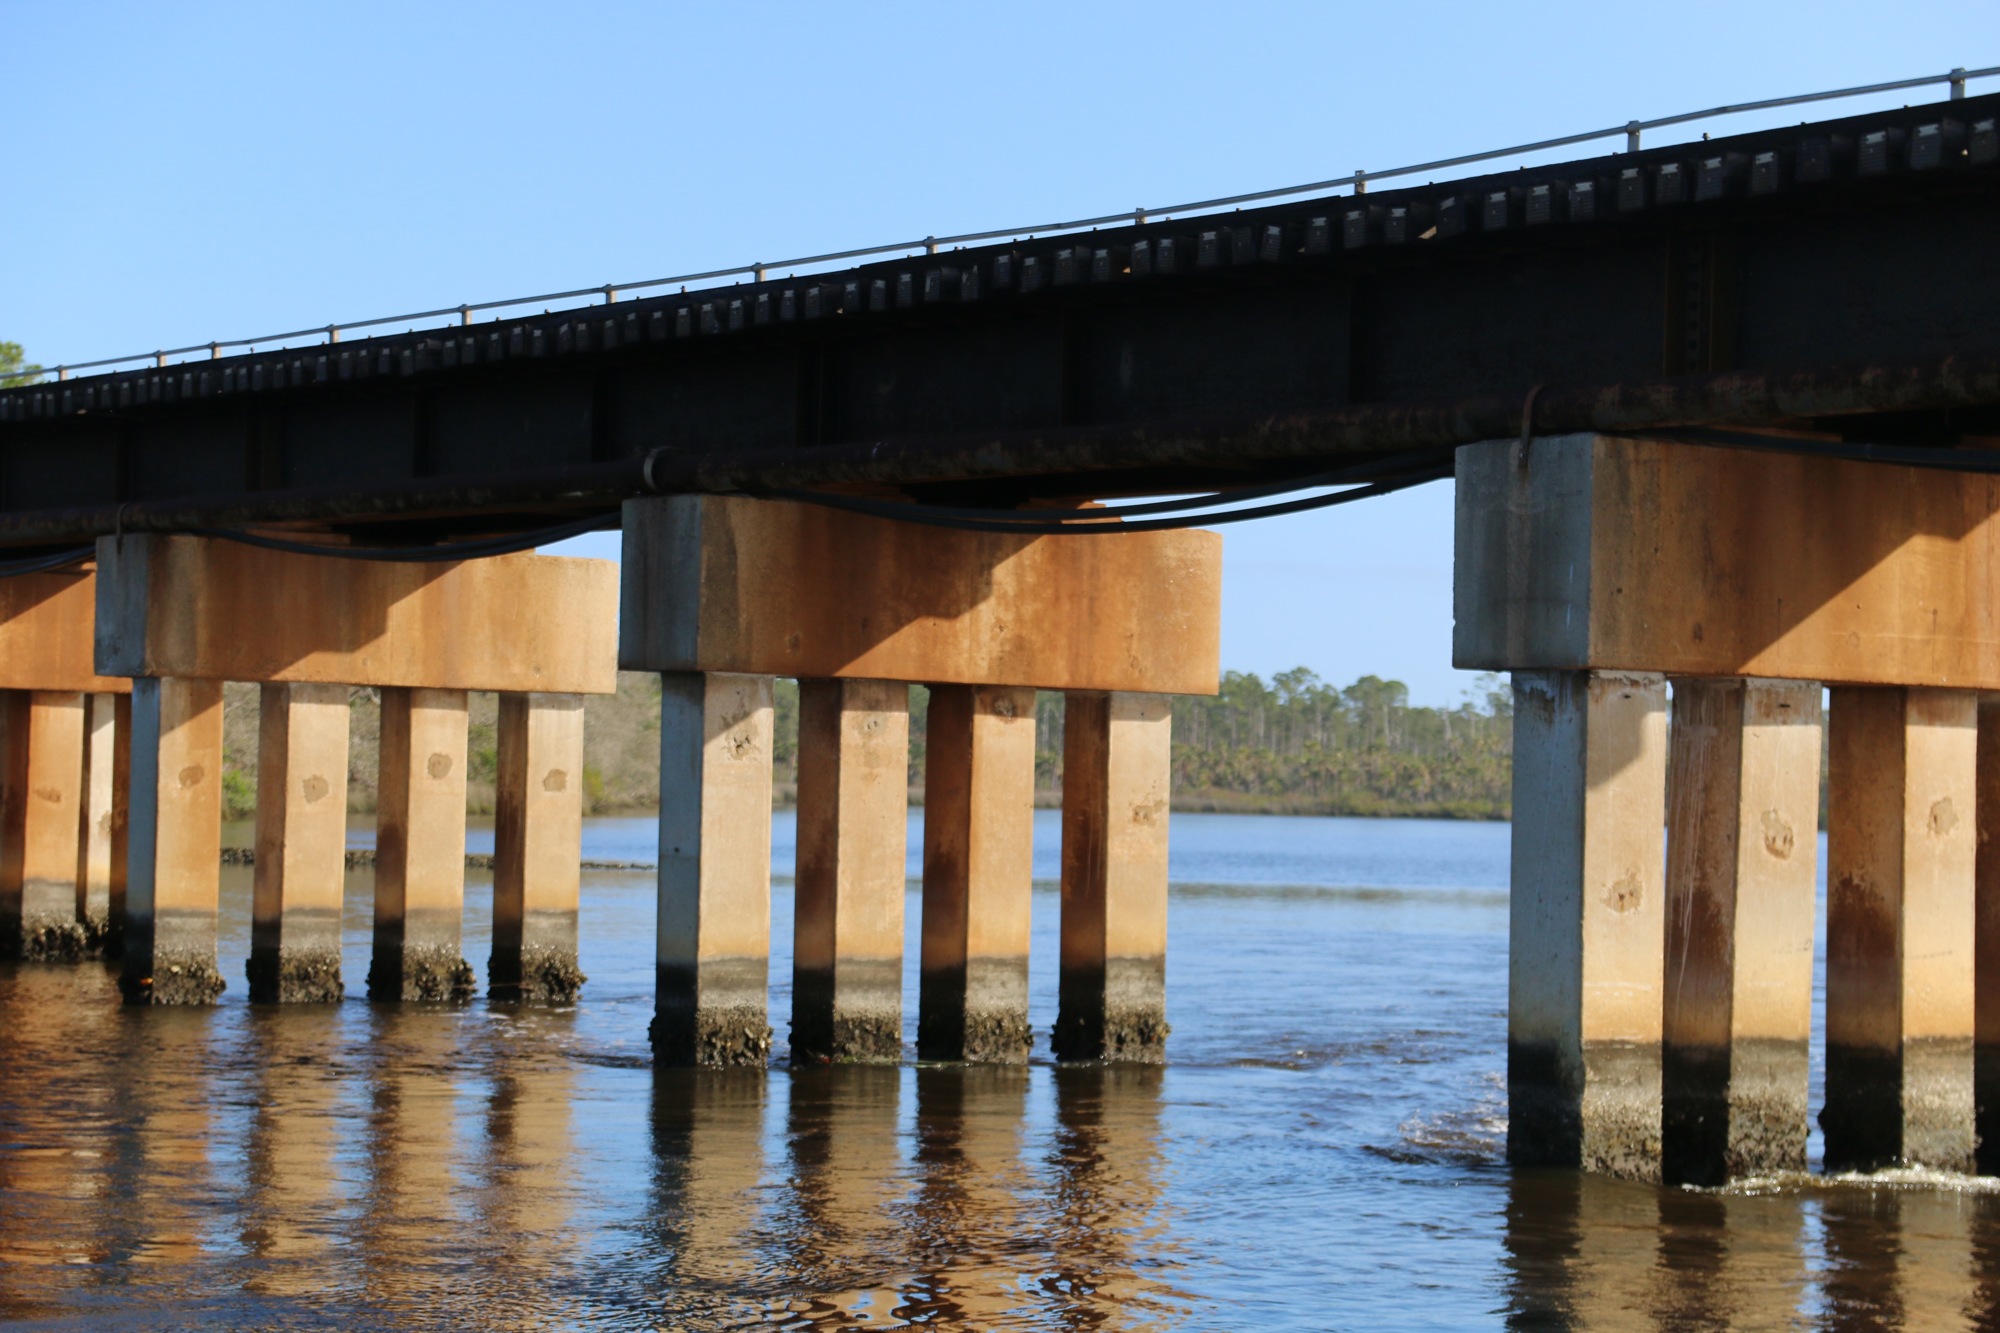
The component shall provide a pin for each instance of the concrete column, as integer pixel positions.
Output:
(1986, 941)
(1742, 855)
(100, 860)
(301, 844)
(39, 796)
(1902, 834)
(847, 976)
(713, 951)
(1587, 921)
(175, 842)
(537, 849)
(420, 849)
(979, 830)
(1117, 770)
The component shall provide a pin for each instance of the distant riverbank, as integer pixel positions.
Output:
(1293, 746)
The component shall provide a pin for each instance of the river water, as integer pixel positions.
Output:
(1323, 1149)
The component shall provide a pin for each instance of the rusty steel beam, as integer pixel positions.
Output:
(1077, 461)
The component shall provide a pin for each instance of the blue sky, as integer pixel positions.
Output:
(193, 171)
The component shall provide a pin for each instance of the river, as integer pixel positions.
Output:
(1323, 1149)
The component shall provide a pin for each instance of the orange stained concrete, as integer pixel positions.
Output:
(47, 635)
(723, 583)
(538, 824)
(1742, 857)
(39, 800)
(715, 819)
(420, 815)
(1987, 877)
(100, 862)
(175, 606)
(1588, 899)
(1117, 775)
(1901, 853)
(979, 824)
(1608, 553)
(301, 805)
(854, 758)
(176, 811)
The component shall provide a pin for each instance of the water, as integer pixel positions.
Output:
(1323, 1149)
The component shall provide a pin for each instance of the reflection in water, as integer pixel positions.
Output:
(1316, 1155)
(412, 1216)
(1900, 1252)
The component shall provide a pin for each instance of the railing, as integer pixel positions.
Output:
(1359, 181)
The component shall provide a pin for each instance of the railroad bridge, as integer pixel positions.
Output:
(1724, 419)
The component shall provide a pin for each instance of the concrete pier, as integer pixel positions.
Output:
(175, 846)
(420, 849)
(854, 606)
(40, 794)
(1587, 921)
(979, 830)
(713, 951)
(1902, 836)
(1742, 856)
(107, 777)
(1117, 768)
(537, 629)
(301, 844)
(537, 849)
(847, 971)
(1584, 556)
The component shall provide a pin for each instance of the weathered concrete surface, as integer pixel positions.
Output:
(100, 861)
(724, 583)
(173, 606)
(1592, 552)
(1742, 818)
(537, 849)
(301, 844)
(41, 790)
(175, 845)
(847, 972)
(1587, 921)
(714, 927)
(1117, 770)
(979, 829)
(420, 849)
(1986, 942)
(1901, 865)
(48, 635)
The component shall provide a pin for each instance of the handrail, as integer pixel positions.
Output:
(1632, 130)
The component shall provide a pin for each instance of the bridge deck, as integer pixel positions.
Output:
(1866, 239)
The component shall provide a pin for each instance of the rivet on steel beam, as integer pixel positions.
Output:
(1631, 136)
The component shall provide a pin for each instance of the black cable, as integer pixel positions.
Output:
(472, 550)
(1374, 469)
(924, 514)
(43, 564)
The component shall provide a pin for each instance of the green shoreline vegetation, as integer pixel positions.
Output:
(1295, 745)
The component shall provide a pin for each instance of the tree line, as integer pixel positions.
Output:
(1295, 745)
